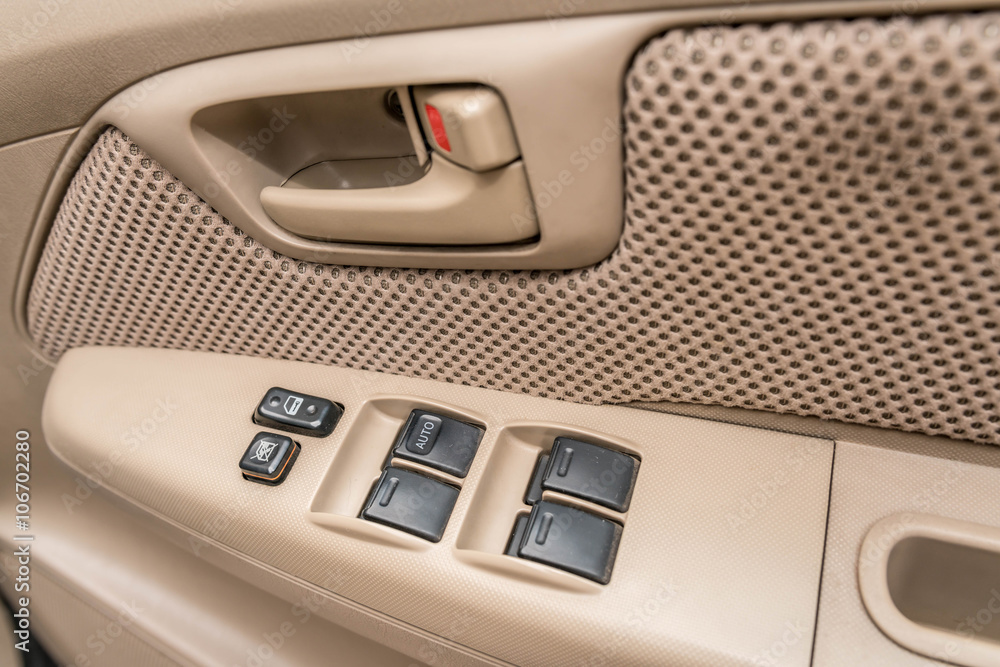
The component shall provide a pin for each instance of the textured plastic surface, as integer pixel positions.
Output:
(869, 485)
(725, 528)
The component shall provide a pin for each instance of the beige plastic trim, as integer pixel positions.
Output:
(561, 82)
(897, 533)
(449, 205)
(725, 529)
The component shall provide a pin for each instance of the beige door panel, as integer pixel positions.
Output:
(124, 587)
(871, 485)
(698, 551)
(740, 545)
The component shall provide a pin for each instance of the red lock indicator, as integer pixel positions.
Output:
(437, 127)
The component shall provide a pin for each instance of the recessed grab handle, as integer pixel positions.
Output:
(449, 205)
(932, 585)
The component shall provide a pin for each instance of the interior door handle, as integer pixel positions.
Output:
(449, 205)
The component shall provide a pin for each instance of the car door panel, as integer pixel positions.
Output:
(764, 272)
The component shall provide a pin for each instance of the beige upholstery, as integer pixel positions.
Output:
(772, 173)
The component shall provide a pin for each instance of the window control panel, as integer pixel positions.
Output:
(568, 537)
(572, 540)
(411, 502)
(409, 499)
(269, 458)
(594, 473)
(440, 442)
(298, 413)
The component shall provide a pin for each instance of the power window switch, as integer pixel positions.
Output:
(534, 493)
(269, 458)
(440, 442)
(597, 474)
(298, 413)
(412, 503)
(517, 535)
(572, 540)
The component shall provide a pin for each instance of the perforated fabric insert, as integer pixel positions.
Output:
(811, 228)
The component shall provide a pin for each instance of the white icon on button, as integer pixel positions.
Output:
(292, 405)
(264, 449)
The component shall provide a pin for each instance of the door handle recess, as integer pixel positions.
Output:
(449, 205)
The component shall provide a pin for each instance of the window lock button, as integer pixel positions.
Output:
(298, 413)
(269, 458)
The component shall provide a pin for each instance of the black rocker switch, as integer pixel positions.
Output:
(439, 442)
(572, 540)
(269, 458)
(298, 413)
(411, 502)
(597, 474)
(534, 493)
(517, 535)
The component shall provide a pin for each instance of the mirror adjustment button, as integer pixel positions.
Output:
(597, 474)
(572, 540)
(298, 413)
(440, 442)
(269, 458)
(411, 502)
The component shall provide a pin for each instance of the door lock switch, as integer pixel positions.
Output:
(411, 502)
(572, 540)
(597, 474)
(468, 125)
(298, 413)
(440, 442)
(269, 458)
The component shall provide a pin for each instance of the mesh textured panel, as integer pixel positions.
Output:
(811, 228)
